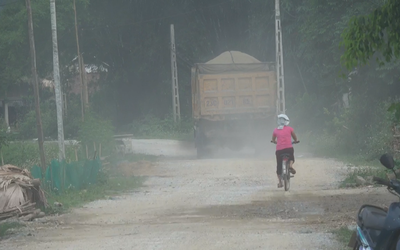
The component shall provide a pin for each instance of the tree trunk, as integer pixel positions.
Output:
(35, 83)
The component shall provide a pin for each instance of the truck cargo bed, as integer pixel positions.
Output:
(222, 94)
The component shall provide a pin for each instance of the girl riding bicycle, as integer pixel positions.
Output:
(282, 137)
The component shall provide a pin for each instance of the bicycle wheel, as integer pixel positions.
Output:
(286, 175)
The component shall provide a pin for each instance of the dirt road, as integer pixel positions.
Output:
(212, 204)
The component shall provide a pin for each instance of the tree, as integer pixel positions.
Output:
(132, 37)
(376, 35)
(14, 45)
(377, 32)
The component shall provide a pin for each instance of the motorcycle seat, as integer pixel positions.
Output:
(371, 217)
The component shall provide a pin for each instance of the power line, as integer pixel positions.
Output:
(162, 18)
(187, 62)
(188, 66)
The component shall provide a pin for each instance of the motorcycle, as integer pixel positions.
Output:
(379, 228)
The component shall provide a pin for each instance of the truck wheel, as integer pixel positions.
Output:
(200, 144)
(235, 146)
(258, 151)
(200, 153)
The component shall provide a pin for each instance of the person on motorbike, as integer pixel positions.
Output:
(282, 137)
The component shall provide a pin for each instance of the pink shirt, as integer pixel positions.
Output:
(284, 137)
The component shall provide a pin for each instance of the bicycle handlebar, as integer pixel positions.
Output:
(293, 142)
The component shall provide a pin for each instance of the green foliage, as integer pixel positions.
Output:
(4, 136)
(27, 127)
(26, 124)
(343, 235)
(14, 45)
(374, 168)
(395, 109)
(312, 53)
(25, 154)
(73, 119)
(93, 130)
(96, 130)
(364, 172)
(377, 32)
(14, 48)
(363, 130)
(75, 198)
(132, 38)
(22, 154)
(5, 227)
(154, 127)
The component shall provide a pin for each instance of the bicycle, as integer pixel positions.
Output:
(285, 176)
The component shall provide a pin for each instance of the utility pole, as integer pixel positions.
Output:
(81, 67)
(57, 84)
(279, 61)
(174, 72)
(35, 84)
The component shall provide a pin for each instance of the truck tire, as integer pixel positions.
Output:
(200, 144)
(200, 153)
(235, 147)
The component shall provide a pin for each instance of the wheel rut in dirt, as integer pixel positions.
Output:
(330, 209)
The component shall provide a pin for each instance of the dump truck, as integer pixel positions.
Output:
(234, 100)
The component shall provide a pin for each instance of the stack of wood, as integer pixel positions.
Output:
(20, 194)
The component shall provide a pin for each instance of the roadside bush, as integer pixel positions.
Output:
(364, 129)
(25, 154)
(7, 227)
(4, 136)
(26, 124)
(95, 131)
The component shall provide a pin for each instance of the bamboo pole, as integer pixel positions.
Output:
(76, 154)
(80, 65)
(2, 159)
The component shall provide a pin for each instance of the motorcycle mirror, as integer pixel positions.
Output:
(387, 161)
